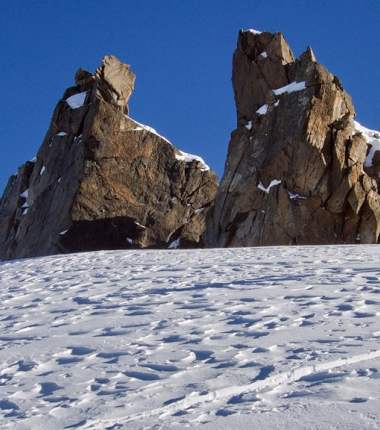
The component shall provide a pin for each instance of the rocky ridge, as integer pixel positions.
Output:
(101, 180)
(299, 169)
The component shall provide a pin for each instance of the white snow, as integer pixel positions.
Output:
(190, 157)
(264, 54)
(296, 196)
(33, 160)
(272, 184)
(267, 338)
(129, 240)
(263, 110)
(291, 88)
(183, 156)
(249, 125)
(372, 138)
(42, 170)
(62, 133)
(63, 232)
(77, 100)
(254, 31)
(174, 244)
(25, 194)
(141, 127)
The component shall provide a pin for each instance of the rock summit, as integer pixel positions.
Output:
(101, 180)
(299, 169)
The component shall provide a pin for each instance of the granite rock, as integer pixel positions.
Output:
(296, 169)
(101, 180)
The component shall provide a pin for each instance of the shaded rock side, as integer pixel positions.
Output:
(297, 169)
(101, 180)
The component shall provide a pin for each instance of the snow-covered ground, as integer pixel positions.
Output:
(266, 338)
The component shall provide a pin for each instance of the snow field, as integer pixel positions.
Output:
(271, 337)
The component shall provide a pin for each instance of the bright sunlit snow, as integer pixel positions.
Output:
(285, 338)
(263, 110)
(76, 101)
(190, 157)
(141, 127)
(372, 137)
(254, 31)
(291, 88)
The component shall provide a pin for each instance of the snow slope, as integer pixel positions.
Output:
(269, 338)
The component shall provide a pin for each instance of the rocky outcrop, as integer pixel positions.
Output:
(298, 169)
(101, 180)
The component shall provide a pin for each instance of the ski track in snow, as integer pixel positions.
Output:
(162, 339)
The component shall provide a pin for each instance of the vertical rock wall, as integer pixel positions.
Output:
(296, 169)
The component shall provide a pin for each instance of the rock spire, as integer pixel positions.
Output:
(299, 170)
(101, 180)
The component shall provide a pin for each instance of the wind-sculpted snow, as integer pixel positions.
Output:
(275, 338)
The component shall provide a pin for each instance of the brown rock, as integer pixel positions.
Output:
(103, 181)
(116, 82)
(295, 167)
(82, 77)
(308, 55)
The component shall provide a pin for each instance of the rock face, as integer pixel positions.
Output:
(103, 181)
(298, 169)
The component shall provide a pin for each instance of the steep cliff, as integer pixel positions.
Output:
(299, 170)
(101, 180)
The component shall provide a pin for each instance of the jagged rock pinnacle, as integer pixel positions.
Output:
(103, 181)
(297, 170)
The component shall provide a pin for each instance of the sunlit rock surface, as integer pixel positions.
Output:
(297, 169)
(101, 180)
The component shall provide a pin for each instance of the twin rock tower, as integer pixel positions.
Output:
(299, 169)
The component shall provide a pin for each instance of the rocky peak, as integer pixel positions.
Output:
(296, 170)
(263, 63)
(101, 180)
(116, 82)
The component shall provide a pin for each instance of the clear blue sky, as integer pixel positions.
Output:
(181, 52)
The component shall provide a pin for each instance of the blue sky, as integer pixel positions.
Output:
(181, 52)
